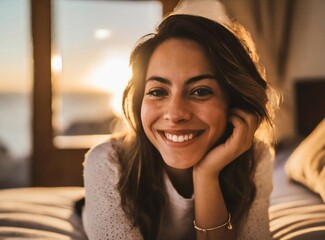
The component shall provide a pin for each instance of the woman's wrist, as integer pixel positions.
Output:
(204, 179)
(201, 172)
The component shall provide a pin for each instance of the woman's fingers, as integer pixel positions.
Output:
(245, 125)
(247, 117)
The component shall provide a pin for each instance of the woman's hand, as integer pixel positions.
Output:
(241, 139)
(210, 206)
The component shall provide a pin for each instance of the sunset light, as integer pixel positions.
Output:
(112, 77)
(56, 64)
(102, 34)
(91, 47)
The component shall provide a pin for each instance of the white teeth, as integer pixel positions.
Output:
(179, 138)
(191, 136)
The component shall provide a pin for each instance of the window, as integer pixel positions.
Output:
(15, 93)
(92, 42)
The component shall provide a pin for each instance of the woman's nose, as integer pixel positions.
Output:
(177, 111)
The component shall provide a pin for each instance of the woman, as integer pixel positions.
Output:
(192, 165)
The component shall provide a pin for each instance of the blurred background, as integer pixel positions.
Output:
(64, 65)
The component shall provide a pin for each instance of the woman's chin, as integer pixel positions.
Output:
(180, 164)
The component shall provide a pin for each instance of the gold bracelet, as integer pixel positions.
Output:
(205, 230)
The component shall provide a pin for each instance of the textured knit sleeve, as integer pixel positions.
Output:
(103, 217)
(256, 225)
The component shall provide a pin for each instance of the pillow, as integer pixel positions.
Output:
(306, 164)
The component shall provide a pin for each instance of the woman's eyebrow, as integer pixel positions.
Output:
(187, 82)
(199, 78)
(159, 79)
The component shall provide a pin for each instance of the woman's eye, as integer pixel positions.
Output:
(202, 92)
(157, 93)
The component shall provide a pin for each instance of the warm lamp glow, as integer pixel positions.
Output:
(112, 77)
(102, 34)
(56, 64)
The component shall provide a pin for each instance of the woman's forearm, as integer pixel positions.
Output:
(210, 208)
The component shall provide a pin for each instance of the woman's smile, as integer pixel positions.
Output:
(180, 136)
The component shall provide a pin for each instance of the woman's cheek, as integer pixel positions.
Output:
(147, 115)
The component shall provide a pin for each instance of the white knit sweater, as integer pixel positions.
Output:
(103, 217)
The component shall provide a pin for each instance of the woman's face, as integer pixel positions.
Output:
(184, 110)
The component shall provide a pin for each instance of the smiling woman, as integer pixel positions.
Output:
(192, 165)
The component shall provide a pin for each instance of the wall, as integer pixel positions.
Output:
(305, 53)
(306, 59)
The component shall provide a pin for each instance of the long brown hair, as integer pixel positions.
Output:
(236, 64)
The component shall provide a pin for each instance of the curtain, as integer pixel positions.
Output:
(270, 22)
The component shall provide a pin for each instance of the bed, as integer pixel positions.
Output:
(297, 208)
(297, 211)
(40, 213)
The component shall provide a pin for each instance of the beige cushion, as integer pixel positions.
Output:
(306, 164)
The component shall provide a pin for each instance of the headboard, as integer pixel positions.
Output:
(310, 104)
